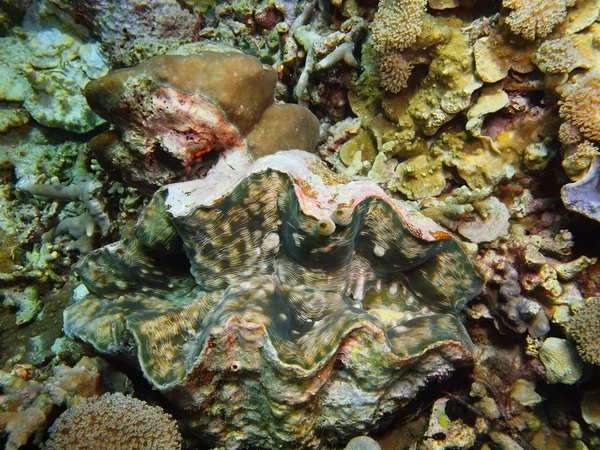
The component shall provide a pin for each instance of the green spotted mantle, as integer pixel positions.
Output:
(277, 303)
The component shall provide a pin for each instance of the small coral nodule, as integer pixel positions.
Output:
(279, 289)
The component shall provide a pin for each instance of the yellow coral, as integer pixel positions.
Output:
(397, 24)
(581, 106)
(533, 19)
(584, 328)
(565, 54)
(577, 162)
(568, 134)
(114, 421)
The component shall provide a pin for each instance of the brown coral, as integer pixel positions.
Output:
(175, 113)
(394, 71)
(397, 24)
(581, 106)
(114, 421)
(533, 19)
(584, 329)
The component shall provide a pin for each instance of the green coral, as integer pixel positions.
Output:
(448, 86)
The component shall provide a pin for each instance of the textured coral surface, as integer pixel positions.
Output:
(286, 287)
(175, 112)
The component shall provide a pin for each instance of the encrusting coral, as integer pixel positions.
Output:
(584, 329)
(134, 31)
(114, 421)
(583, 196)
(175, 113)
(289, 291)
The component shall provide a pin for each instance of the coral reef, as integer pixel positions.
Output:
(262, 314)
(315, 294)
(176, 113)
(30, 398)
(397, 25)
(114, 421)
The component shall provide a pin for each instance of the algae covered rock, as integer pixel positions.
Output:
(175, 113)
(561, 361)
(275, 303)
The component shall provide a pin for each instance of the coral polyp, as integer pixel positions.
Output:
(279, 289)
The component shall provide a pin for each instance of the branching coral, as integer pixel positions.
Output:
(83, 226)
(323, 298)
(534, 19)
(114, 421)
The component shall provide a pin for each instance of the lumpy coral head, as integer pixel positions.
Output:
(276, 303)
(174, 114)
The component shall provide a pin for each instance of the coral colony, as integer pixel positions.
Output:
(301, 224)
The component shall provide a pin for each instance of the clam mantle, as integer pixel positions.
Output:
(277, 303)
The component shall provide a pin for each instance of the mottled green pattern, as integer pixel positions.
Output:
(256, 256)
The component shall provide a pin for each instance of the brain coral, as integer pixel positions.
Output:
(584, 329)
(174, 113)
(277, 304)
(533, 19)
(114, 421)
